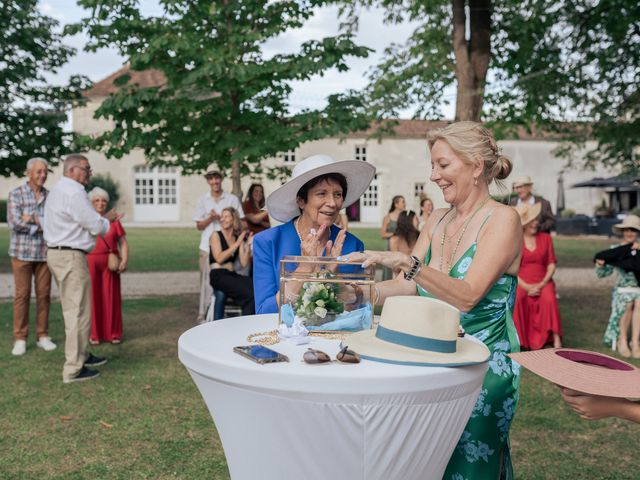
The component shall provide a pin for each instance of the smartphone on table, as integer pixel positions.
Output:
(260, 354)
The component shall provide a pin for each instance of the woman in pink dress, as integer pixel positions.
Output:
(536, 314)
(106, 301)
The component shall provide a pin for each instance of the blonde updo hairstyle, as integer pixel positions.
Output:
(470, 140)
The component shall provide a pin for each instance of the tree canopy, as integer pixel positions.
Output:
(32, 112)
(566, 67)
(225, 101)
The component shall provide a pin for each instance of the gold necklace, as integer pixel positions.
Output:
(464, 229)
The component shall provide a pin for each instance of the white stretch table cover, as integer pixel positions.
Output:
(331, 421)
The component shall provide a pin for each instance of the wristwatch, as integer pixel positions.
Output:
(415, 268)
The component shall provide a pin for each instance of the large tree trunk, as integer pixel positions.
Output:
(472, 55)
(235, 179)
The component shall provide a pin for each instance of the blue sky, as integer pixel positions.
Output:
(373, 33)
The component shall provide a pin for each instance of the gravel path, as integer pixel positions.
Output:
(179, 283)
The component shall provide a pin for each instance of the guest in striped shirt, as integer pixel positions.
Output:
(28, 252)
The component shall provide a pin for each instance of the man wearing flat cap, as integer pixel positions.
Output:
(208, 210)
(523, 186)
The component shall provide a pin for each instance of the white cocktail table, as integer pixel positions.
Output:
(331, 421)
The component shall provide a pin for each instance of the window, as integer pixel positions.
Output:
(370, 196)
(361, 152)
(155, 186)
(288, 156)
(418, 189)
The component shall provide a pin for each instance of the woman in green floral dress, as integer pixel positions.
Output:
(468, 256)
(625, 298)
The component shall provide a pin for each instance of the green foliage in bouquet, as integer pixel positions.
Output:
(317, 301)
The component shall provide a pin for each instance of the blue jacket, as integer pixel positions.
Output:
(269, 247)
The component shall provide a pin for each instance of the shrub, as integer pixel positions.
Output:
(106, 183)
(635, 211)
(503, 198)
(3, 211)
(568, 213)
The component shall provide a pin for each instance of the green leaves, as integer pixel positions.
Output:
(32, 112)
(224, 100)
(570, 68)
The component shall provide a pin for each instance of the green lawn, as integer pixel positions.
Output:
(144, 418)
(176, 249)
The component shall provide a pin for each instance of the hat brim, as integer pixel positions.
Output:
(532, 212)
(580, 376)
(282, 205)
(369, 347)
(619, 227)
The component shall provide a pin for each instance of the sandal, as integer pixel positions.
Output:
(94, 342)
(116, 341)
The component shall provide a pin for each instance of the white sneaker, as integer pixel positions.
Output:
(46, 344)
(19, 348)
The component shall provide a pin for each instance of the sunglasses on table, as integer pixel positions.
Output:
(345, 355)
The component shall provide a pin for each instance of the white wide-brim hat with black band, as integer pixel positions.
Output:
(282, 205)
(630, 221)
(418, 331)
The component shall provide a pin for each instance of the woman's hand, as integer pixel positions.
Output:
(240, 239)
(122, 266)
(590, 407)
(599, 263)
(311, 245)
(393, 260)
(535, 289)
(334, 249)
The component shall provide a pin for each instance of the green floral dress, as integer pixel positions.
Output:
(483, 449)
(619, 301)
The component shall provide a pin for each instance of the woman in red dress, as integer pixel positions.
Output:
(536, 314)
(106, 301)
(257, 219)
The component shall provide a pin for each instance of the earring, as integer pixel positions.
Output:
(475, 181)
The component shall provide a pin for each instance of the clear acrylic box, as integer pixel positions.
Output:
(325, 294)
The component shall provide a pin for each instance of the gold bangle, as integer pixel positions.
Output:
(376, 296)
(264, 338)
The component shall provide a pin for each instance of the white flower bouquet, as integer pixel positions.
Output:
(318, 303)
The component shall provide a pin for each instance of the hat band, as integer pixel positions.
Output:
(413, 341)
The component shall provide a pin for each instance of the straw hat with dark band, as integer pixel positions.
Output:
(584, 371)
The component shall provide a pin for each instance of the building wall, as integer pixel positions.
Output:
(400, 163)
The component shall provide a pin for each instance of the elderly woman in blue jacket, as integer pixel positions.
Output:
(309, 204)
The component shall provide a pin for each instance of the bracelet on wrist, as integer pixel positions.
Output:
(416, 264)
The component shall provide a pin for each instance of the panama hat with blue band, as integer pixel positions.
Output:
(418, 331)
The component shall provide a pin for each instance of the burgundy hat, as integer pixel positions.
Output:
(584, 371)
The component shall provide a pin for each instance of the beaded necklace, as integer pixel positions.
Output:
(296, 225)
(464, 229)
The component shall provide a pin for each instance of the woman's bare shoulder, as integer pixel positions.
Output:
(504, 212)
